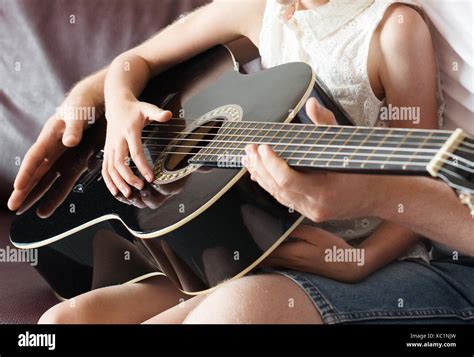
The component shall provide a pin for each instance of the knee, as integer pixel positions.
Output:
(58, 314)
(217, 308)
(257, 299)
(235, 302)
(67, 312)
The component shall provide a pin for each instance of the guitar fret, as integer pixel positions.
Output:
(318, 143)
(375, 150)
(285, 148)
(235, 132)
(244, 132)
(274, 145)
(330, 146)
(397, 147)
(272, 137)
(346, 159)
(281, 141)
(237, 146)
(207, 154)
(361, 155)
(294, 144)
(422, 166)
(394, 133)
(413, 157)
(356, 152)
(310, 132)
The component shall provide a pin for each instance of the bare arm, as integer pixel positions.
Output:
(407, 81)
(408, 74)
(389, 242)
(217, 23)
(407, 67)
(94, 85)
(312, 250)
(428, 207)
(57, 134)
(422, 205)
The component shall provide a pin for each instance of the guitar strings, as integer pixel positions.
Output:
(338, 153)
(345, 163)
(391, 150)
(347, 158)
(454, 185)
(405, 130)
(338, 143)
(184, 122)
(186, 134)
(331, 143)
(294, 125)
(329, 161)
(390, 133)
(388, 161)
(442, 135)
(342, 142)
(231, 149)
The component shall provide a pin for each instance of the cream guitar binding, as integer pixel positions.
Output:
(203, 221)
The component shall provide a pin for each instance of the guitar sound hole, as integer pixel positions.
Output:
(192, 144)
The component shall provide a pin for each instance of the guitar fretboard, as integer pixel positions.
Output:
(329, 147)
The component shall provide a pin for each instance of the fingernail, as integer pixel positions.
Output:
(245, 161)
(138, 185)
(263, 149)
(251, 154)
(149, 178)
(69, 138)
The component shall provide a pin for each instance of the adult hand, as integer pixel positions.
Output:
(62, 130)
(320, 196)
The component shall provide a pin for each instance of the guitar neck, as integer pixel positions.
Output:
(356, 149)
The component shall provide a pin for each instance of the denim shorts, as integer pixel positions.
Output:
(403, 292)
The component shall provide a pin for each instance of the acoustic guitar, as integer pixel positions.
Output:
(203, 221)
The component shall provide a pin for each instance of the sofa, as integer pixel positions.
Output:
(46, 47)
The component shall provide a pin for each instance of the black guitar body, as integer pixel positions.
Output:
(203, 221)
(205, 227)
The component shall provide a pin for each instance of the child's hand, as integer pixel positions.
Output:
(309, 251)
(125, 121)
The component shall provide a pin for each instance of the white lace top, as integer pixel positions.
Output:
(334, 39)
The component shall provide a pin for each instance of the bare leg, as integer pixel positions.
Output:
(119, 304)
(258, 299)
(178, 313)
